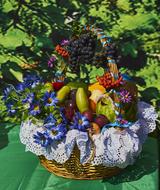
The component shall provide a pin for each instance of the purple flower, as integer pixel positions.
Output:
(50, 99)
(34, 109)
(80, 122)
(51, 61)
(43, 138)
(125, 96)
(64, 42)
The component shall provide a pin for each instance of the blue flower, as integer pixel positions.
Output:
(80, 122)
(6, 93)
(31, 81)
(59, 132)
(50, 99)
(44, 139)
(10, 108)
(62, 115)
(20, 87)
(34, 109)
(50, 122)
(29, 98)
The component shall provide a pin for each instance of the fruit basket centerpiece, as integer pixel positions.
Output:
(81, 129)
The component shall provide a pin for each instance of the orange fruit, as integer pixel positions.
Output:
(96, 86)
(92, 105)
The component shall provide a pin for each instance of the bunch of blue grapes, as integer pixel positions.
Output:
(81, 51)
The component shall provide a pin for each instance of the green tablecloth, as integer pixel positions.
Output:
(20, 170)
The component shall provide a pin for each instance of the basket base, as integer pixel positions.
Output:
(75, 170)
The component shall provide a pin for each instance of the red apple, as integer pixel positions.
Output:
(88, 114)
(57, 85)
(101, 120)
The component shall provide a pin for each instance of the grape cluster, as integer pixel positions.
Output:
(85, 50)
(81, 51)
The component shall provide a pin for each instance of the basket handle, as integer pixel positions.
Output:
(106, 43)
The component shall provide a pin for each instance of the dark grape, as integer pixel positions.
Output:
(69, 113)
(81, 51)
(70, 103)
(73, 95)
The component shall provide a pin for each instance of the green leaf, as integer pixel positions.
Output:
(3, 58)
(129, 49)
(131, 22)
(42, 41)
(17, 74)
(9, 6)
(14, 38)
(123, 4)
(12, 71)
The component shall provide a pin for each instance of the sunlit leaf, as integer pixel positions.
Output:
(14, 38)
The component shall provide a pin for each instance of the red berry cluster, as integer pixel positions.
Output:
(107, 81)
(61, 51)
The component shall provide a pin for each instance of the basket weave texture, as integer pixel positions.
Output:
(74, 170)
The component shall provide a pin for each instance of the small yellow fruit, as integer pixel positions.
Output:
(62, 93)
(48, 86)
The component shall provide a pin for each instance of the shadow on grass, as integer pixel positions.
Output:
(4, 130)
(145, 164)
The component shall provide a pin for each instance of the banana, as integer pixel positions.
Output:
(82, 100)
(63, 92)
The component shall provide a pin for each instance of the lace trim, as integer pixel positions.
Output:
(112, 148)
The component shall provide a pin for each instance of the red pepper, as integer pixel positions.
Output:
(57, 85)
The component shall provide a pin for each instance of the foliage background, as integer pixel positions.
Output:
(29, 31)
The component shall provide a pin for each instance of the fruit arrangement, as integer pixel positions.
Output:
(104, 119)
(76, 105)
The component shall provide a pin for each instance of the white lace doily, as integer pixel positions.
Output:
(112, 148)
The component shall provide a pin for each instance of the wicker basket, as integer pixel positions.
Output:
(72, 167)
(74, 170)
